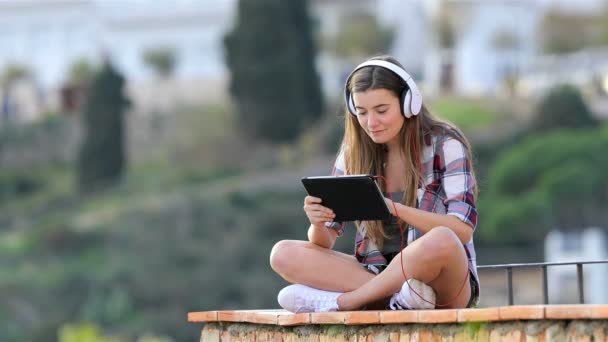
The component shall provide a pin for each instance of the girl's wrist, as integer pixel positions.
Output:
(393, 206)
(397, 208)
(319, 235)
(320, 226)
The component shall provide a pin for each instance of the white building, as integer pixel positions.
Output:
(72, 30)
(413, 36)
(586, 69)
(330, 16)
(497, 42)
(589, 245)
(48, 36)
(493, 41)
(43, 37)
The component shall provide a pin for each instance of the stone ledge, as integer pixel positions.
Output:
(507, 331)
(493, 314)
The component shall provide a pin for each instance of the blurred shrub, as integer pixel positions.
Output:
(547, 182)
(161, 59)
(142, 268)
(83, 332)
(13, 73)
(333, 127)
(467, 114)
(325, 136)
(16, 184)
(52, 139)
(562, 107)
(81, 72)
(566, 32)
(359, 35)
(153, 338)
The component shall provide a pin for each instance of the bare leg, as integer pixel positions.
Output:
(305, 263)
(437, 259)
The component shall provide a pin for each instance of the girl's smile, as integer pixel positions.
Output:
(379, 114)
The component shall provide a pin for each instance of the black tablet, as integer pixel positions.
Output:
(352, 197)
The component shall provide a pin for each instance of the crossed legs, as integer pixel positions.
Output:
(437, 259)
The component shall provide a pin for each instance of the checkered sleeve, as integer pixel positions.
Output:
(458, 182)
(338, 170)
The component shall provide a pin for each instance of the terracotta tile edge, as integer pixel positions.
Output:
(337, 317)
(233, 315)
(393, 317)
(569, 311)
(438, 316)
(501, 313)
(262, 317)
(289, 319)
(362, 317)
(203, 316)
(489, 314)
(521, 312)
(599, 311)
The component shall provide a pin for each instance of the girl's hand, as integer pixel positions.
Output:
(317, 214)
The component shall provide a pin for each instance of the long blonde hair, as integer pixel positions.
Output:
(363, 156)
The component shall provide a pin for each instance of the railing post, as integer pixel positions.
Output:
(545, 286)
(581, 289)
(579, 273)
(510, 284)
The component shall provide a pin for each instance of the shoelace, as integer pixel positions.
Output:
(317, 301)
(398, 303)
(394, 305)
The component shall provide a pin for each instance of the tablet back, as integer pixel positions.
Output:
(352, 198)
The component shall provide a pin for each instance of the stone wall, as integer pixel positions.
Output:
(543, 330)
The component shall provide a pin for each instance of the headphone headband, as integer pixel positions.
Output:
(413, 96)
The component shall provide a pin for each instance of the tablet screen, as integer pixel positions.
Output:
(352, 197)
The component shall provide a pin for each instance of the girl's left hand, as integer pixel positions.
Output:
(391, 205)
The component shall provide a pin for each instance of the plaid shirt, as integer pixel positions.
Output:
(449, 189)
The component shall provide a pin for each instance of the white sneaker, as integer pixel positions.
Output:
(406, 299)
(300, 298)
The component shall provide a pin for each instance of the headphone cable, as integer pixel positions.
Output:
(401, 231)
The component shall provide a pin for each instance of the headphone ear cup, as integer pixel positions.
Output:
(406, 101)
(351, 104)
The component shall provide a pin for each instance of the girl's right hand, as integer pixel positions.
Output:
(317, 214)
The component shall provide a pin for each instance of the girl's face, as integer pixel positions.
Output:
(379, 114)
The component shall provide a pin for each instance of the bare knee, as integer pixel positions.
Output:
(282, 255)
(441, 242)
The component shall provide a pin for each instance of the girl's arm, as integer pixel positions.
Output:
(322, 236)
(426, 221)
(459, 185)
(320, 217)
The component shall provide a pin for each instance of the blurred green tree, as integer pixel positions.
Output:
(11, 74)
(74, 92)
(553, 181)
(162, 60)
(359, 36)
(101, 158)
(563, 107)
(81, 72)
(271, 56)
(506, 41)
(444, 25)
(564, 32)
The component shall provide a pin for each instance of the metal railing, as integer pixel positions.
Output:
(579, 274)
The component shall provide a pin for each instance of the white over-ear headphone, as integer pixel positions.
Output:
(411, 99)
